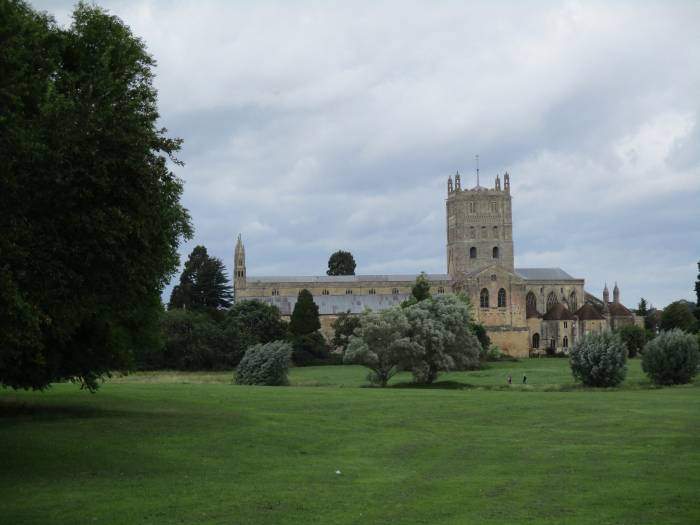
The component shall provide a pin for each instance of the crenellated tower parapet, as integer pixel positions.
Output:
(479, 227)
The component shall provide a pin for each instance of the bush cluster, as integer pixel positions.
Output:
(671, 358)
(599, 360)
(266, 364)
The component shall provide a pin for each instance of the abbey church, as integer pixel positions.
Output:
(525, 310)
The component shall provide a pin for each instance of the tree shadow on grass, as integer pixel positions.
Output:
(13, 408)
(438, 385)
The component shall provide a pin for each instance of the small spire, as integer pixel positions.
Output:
(477, 171)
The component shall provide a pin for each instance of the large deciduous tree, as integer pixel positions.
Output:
(678, 315)
(341, 263)
(203, 284)
(91, 215)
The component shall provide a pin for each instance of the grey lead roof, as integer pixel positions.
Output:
(342, 278)
(337, 304)
(544, 274)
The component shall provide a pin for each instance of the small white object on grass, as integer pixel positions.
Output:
(337, 472)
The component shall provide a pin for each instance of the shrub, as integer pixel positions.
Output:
(633, 338)
(441, 337)
(344, 326)
(309, 349)
(266, 364)
(671, 358)
(380, 344)
(480, 333)
(257, 322)
(599, 360)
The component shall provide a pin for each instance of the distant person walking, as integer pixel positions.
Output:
(524, 380)
(510, 379)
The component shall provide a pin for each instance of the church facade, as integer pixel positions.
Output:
(524, 310)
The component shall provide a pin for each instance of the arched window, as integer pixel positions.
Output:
(325, 292)
(395, 291)
(535, 340)
(573, 301)
(531, 300)
(348, 292)
(493, 207)
(472, 208)
(372, 291)
(565, 343)
(495, 252)
(484, 298)
(472, 252)
(551, 300)
(441, 290)
(275, 291)
(502, 298)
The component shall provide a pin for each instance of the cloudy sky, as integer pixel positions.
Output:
(314, 126)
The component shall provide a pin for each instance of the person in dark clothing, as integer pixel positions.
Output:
(524, 380)
(510, 380)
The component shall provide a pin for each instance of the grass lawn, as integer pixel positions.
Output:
(192, 448)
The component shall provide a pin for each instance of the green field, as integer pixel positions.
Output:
(193, 448)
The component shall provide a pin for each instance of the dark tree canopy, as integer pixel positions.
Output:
(91, 215)
(203, 283)
(643, 308)
(697, 288)
(305, 315)
(344, 326)
(421, 289)
(341, 263)
(258, 322)
(678, 315)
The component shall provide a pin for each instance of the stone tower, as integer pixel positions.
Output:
(239, 276)
(479, 226)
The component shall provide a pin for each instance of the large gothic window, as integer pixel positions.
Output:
(495, 252)
(484, 298)
(573, 302)
(566, 342)
(535, 340)
(502, 298)
(531, 300)
(472, 252)
(551, 300)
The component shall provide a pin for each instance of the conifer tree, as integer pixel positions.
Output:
(305, 315)
(203, 283)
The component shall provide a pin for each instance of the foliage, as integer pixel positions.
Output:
(492, 353)
(344, 327)
(257, 322)
(441, 337)
(643, 308)
(305, 318)
(341, 263)
(91, 216)
(480, 333)
(309, 349)
(380, 344)
(599, 360)
(672, 357)
(678, 315)
(203, 284)
(193, 341)
(697, 289)
(421, 288)
(266, 364)
(633, 338)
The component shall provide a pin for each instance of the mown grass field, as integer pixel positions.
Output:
(193, 448)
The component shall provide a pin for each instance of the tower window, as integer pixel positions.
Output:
(493, 207)
(348, 292)
(566, 325)
(495, 252)
(395, 291)
(502, 298)
(275, 291)
(472, 207)
(372, 291)
(484, 233)
(472, 232)
(325, 292)
(472, 252)
(441, 289)
(495, 232)
(484, 298)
